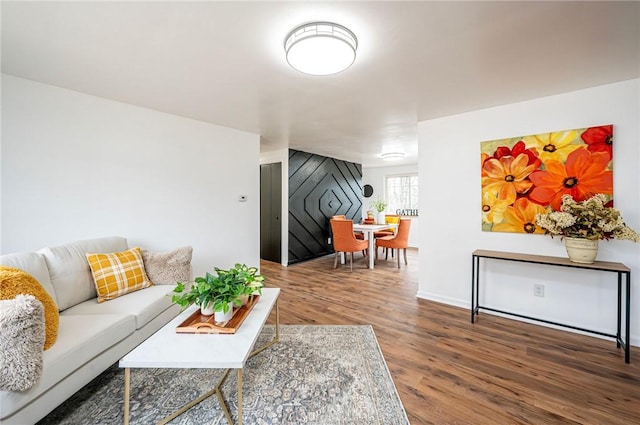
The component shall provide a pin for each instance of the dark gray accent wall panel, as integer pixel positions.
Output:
(319, 187)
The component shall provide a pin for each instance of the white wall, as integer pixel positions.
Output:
(375, 176)
(273, 157)
(76, 166)
(450, 204)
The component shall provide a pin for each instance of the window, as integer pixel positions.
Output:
(402, 194)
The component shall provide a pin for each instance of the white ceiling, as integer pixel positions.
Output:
(223, 62)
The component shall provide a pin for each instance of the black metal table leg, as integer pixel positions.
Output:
(628, 320)
(473, 286)
(619, 334)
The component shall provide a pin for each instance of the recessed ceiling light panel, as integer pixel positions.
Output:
(392, 156)
(320, 48)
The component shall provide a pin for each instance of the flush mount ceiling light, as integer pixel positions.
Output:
(392, 156)
(320, 48)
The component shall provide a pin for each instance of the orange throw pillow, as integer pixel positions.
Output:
(14, 282)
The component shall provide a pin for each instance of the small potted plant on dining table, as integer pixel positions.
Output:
(379, 205)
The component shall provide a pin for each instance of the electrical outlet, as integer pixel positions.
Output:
(538, 290)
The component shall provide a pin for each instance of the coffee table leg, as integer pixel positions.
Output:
(275, 339)
(239, 396)
(127, 376)
(277, 322)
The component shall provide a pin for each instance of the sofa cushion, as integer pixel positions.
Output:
(145, 305)
(117, 273)
(81, 338)
(69, 270)
(14, 282)
(168, 268)
(34, 264)
(21, 342)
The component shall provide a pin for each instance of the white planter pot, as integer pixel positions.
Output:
(581, 250)
(382, 218)
(244, 299)
(207, 310)
(219, 316)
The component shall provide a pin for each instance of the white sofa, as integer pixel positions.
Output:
(91, 336)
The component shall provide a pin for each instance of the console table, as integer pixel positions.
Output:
(620, 269)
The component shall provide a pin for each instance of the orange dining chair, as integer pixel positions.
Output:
(345, 241)
(358, 235)
(388, 219)
(398, 241)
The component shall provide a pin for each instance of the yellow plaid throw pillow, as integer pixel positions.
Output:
(118, 273)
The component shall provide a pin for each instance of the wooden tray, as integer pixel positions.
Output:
(199, 324)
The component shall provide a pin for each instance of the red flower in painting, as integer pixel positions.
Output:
(599, 139)
(584, 175)
(516, 150)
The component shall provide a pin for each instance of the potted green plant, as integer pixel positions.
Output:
(379, 205)
(583, 224)
(246, 279)
(220, 292)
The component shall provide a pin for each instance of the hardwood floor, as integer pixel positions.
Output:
(448, 371)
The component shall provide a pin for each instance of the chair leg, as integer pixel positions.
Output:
(386, 253)
(405, 257)
(335, 262)
(351, 261)
(398, 255)
(366, 258)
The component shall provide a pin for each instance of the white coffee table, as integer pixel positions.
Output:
(168, 349)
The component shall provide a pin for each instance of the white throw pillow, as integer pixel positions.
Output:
(168, 268)
(21, 342)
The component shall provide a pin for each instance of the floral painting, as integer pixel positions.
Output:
(524, 176)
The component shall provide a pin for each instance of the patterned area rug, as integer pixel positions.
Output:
(321, 375)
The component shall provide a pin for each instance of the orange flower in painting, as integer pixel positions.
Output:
(483, 158)
(507, 176)
(599, 139)
(521, 218)
(584, 175)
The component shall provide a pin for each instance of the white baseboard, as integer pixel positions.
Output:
(445, 300)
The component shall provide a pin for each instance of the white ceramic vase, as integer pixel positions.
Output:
(581, 250)
(220, 316)
(382, 217)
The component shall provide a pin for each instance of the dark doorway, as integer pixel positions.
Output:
(270, 210)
